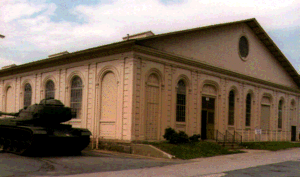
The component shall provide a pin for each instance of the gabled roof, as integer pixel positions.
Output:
(258, 31)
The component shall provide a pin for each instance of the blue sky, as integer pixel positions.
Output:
(35, 29)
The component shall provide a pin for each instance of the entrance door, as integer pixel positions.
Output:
(204, 125)
(293, 135)
(208, 118)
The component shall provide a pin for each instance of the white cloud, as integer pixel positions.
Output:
(106, 23)
(11, 10)
(133, 16)
(5, 62)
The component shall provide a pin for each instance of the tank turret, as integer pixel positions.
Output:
(38, 128)
(47, 112)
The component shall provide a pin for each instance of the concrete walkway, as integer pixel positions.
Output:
(209, 167)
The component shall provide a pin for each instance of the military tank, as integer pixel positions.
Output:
(38, 129)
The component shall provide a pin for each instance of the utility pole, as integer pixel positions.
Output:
(1, 36)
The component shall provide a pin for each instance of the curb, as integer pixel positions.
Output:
(150, 151)
(145, 150)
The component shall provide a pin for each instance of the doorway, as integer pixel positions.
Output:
(208, 118)
(293, 135)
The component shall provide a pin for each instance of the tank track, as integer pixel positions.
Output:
(22, 141)
(15, 140)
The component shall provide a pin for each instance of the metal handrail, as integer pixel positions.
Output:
(220, 137)
(264, 135)
(238, 137)
(229, 137)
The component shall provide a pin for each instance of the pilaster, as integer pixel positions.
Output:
(194, 106)
(168, 95)
(241, 119)
(34, 89)
(136, 119)
(18, 102)
(39, 88)
(258, 107)
(128, 98)
(91, 88)
(63, 86)
(2, 95)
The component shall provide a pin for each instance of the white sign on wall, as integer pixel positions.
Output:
(257, 131)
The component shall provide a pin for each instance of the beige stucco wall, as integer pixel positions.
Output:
(131, 73)
(91, 73)
(219, 47)
(196, 78)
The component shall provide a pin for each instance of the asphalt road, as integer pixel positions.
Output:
(286, 169)
(87, 162)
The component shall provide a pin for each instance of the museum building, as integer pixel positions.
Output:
(216, 80)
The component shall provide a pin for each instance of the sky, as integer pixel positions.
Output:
(34, 29)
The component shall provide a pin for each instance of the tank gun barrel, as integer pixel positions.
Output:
(8, 113)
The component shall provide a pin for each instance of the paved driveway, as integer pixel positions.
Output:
(87, 162)
(231, 165)
(286, 169)
(91, 164)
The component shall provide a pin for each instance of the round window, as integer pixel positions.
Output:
(243, 47)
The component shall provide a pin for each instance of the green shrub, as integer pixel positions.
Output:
(169, 133)
(174, 139)
(183, 137)
(179, 138)
(195, 138)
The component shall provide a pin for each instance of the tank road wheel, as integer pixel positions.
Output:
(27, 143)
(22, 147)
(19, 147)
(7, 144)
(14, 146)
(1, 143)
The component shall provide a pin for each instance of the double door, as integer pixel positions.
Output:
(208, 118)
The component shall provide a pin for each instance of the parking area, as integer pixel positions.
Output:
(86, 162)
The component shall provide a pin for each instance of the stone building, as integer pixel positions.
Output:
(222, 79)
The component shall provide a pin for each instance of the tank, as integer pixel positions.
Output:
(39, 129)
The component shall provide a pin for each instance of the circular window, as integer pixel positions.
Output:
(243, 47)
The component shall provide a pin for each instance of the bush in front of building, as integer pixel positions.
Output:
(169, 132)
(179, 138)
(195, 138)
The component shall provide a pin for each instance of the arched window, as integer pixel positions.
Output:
(27, 95)
(248, 109)
(280, 114)
(231, 108)
(50, 91)
(181, 101)
(76, 95)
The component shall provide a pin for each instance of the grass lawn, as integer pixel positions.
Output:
(273, 146)
(192, 150)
